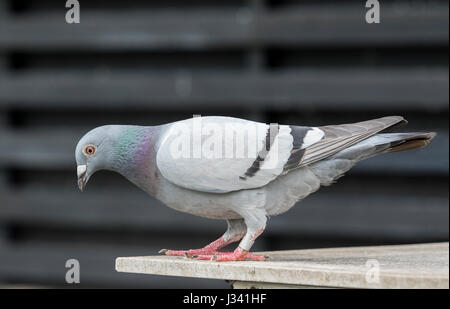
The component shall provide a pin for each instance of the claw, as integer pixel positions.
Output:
(162, 251)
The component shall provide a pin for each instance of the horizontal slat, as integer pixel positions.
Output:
(52, 150)
(41, 149)
(131, 210)
(381, 213)
(401, 24)
(44, 263)
(347, 88)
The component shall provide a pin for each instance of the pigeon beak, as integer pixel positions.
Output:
(82, 176)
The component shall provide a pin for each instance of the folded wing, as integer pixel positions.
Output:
(232, 154)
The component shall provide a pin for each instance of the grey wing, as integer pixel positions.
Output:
(335, 139)
(254, 161)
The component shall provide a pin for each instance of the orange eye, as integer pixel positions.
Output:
(89, 150)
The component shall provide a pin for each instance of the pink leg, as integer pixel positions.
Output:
(212, 248)
(237, 255)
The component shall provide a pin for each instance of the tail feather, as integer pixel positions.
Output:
(330, 169)
(409, 141)
(385, 143)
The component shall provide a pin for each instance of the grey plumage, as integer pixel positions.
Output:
(272, 131)
(243, 191)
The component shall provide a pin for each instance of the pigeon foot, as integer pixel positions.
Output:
(237, 255)
(210, 249)
(188, 253)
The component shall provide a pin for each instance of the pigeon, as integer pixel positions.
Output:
(234, 169)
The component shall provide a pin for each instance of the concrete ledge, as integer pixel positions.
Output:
(402, 266)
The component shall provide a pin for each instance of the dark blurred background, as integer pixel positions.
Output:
(150, 62)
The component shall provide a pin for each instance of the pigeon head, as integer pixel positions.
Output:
(124, 149)
(94, 152)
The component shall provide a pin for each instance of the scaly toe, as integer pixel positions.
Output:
(207, 257)
(230, 256)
